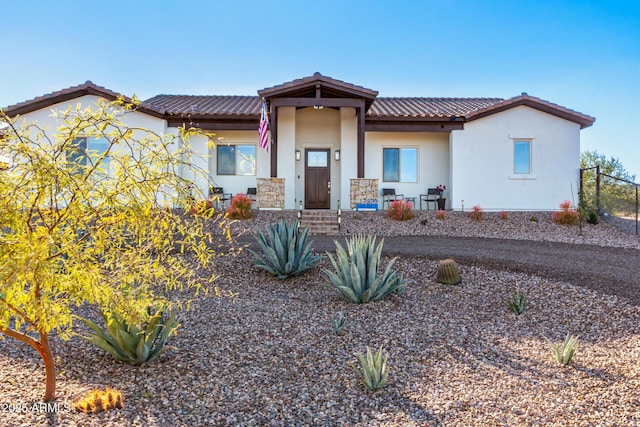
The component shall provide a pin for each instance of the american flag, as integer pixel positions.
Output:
(263, 129)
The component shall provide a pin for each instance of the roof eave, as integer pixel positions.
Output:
(546, 107)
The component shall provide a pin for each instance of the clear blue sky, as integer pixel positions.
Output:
(584, 55)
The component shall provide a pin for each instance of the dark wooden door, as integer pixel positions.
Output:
(317, 179)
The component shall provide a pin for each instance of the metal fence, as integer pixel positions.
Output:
(613, 198)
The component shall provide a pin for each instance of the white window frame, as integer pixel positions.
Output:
(399, 148)
(514, 174)
(89, 152)
(235, 173)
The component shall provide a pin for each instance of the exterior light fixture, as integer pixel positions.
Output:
(337, 155)
(298, 155)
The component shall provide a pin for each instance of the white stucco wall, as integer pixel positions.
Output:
(348, 153)
(231, 183)
(318, 129)
(433, 160)
(287, 154)
(46, 121)
(482, 162)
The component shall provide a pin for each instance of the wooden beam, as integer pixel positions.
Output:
(384, 126)
(214, 125)
(273, 147)
(310, 102)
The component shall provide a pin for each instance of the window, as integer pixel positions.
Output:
(236, 159)
(400, 164)
(85, 151)
(522, 157)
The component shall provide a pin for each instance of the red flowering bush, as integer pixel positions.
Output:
(476, 213)
(441, 214)
(240, 207)
(400, 210)
(504, 215)
(566, 216)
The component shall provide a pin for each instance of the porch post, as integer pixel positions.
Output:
(361, 113)
(274, 140)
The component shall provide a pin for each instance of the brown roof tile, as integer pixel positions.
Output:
(539, 104)
(206, 105)
(87, 88)
(427, 107)
(310, 81)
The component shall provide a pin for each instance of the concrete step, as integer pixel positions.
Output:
(320, 222)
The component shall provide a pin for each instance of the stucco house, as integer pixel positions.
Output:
(334, 143)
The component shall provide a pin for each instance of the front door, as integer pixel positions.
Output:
(317, 179)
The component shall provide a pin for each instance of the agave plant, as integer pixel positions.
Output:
(518, 302)
(133, 344)
(338, 323)
(285, 251)
(356, 276)
(374, 371)
(564, 352)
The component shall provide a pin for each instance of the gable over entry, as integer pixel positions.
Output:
(318, 91)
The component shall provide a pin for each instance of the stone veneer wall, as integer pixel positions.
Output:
(270, 193)
(363, 189)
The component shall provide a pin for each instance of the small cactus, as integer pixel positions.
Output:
(99, 400)
(448, 272)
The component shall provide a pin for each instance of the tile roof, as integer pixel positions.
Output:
(86, 88)
(583, 120)
(248, 107)
(418, 108)
(206, 105)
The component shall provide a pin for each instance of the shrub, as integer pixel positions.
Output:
(504, 215)
(240, 207)
(564, 352)
(338, 323)
(566, 216)
(592, 217)
(441, 214)
(202, 208)
(133, 344)
(400, 210)
(476, 213)
(99, 400)
(533, 218)
(356, 277)
(518, 302)
(448, 272)
(374, 371)
(285, 251)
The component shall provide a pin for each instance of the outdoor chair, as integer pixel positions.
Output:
(218, 195)
(432, 196)
(252, 193)
(389, 195)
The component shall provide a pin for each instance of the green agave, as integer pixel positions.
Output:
(131, 343)
(374, 371)
(565, 351)
(285, 251)
(356, 276)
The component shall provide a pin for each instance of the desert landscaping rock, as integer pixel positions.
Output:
(458, 356)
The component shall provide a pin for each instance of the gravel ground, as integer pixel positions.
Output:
(458, 356)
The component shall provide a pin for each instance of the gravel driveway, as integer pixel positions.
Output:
(611, 270)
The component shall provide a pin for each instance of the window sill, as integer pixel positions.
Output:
(523, 177)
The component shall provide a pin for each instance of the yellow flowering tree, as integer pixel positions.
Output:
(80, 226)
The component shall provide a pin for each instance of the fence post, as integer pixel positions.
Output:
(598, 207)
(580, 191)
